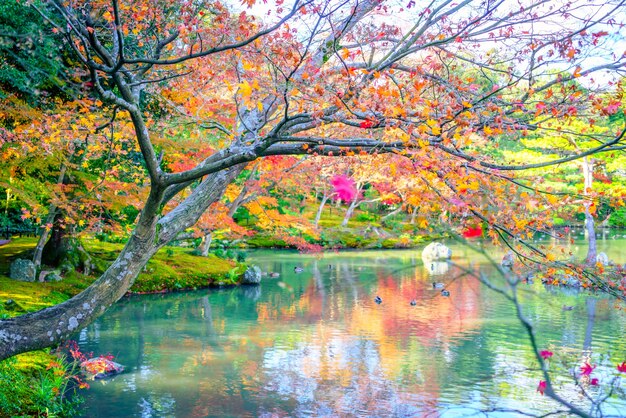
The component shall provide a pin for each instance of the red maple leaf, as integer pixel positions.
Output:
(622, 367)
(473, 232)
(586, 369)
(545, 354)
(368, 123)
(542, 386)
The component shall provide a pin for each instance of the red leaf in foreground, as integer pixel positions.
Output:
(473, 232)
(545, 354)
(622, 367)
(586, 369)
(542, 386)
(368, 123)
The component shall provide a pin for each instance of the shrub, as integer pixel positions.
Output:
(49, 391)
(365, 217)
(618, 218)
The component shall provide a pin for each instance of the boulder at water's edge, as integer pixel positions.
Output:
(252, 275)
(436, 251)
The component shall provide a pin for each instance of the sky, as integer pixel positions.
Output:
(614, 44)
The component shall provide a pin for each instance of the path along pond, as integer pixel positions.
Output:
(315, 343)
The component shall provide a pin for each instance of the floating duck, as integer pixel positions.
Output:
(445, 293)
(378, 300)
(274, 275)
(568, 308)
(298, 269)
(438, 285)
(413, 302)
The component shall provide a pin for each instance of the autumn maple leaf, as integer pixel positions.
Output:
(368, 123)
(586, 369)
(473, 232)
(545, 354)
(622, 367)
(541, 388)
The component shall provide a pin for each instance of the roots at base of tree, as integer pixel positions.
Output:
(68, 254)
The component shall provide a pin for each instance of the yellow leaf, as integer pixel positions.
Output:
(245, 89)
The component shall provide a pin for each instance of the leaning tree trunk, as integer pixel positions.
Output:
(53, 325)
(43, 237)
(592, 251)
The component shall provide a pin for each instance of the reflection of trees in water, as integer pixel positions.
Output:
(319, 345)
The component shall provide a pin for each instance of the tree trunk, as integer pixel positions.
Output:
(392, 213)
(318, 215)
(63, 248)
(414, 214)
(205, 245)
(350, 211)
(55, 324)
(43, 237)
(45, 232)
(592, 251)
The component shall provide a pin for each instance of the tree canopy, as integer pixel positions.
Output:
(175, 99)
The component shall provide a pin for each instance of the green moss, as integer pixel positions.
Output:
(265, 241)
(12, 250)
(183, 271)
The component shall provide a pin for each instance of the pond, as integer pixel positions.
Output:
(315, 343)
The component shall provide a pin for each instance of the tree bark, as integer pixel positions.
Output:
(592, 251)
(205, 245)
(55, 324)
(392, 213)
(318, 215)
(414, 214)
(45, 232)
(350, 211)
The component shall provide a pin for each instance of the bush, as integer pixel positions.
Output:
(241, 256)
(45, 392)
(365, 217)
(618, 218)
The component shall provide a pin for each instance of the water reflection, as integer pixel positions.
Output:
(316, 343)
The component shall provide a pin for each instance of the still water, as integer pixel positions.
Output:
(315, 343)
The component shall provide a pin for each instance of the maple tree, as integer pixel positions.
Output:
(320, 78)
